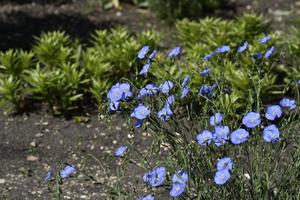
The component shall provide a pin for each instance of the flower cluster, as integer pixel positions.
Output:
(117, 93)
(224, 166)
(64, 173)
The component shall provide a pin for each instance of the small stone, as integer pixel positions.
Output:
(2, 181)
(32, 158)
(33, 144)
(114, 141)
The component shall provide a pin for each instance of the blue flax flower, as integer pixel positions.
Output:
(165, 113)
(205, 72)
(166, 86)
(48, 177)
(221, 132)
(181, 176)
(148, 197)
(67, 171)
(288, 103)
(145, 69)
(273, 112)
(156, 177)
(216, 119)
(264, 39)
(221, 177)
(120, 151)
(177, 189)
(148, 90)
(152, 55)
(170, 100)
(239, 136)
(209, 56)
(115, 93)
(207, 90)
(184, 92)
(140, 112)
(269, 52)
(179, 181)
(125, 88)
(174, 52)
(204, 138)
(251, 120)
(243, 48)
(185, 81)
(224, 164)
(271, 133)
(223, 49)
(143, 52)
(113, 106)
(257, 56)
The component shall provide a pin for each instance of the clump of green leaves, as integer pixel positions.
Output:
(171, 10)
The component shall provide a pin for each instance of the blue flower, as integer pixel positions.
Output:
(216, 119)
(177, 189)
(148, 197)
(139, 123)
(264, 39)
(67, 171)
(166, 86)
(185, 81)
(184, 92)
(170, 100)
(165, 113)
(152, 55)
(125, 88)
(180, 177)
(156, 177)
(143, 52)
(115, 93)
(257, 56)
(209, 56)
(251, 120)
(174, 52)
(271, 133)
(224, 164)
(205, 72)
(48, 177)
(113, 106)
(223, 49)
(221, 177)
(119, 92)
(288, 103)
(239, 136)
(120, 151)
(273, 112)
(298, 82)
(207, 90)
(243, 47)
(219, 141)
(269, 52)
(221, 132)
(145, 68)
(140, 112)
(204, 138)
(148, 90)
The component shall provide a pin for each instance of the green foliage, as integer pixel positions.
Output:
(171, 10)
(204, 36)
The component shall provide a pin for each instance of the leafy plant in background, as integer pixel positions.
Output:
(214, 152)
(113, 56)
(171, 10)
(13, 87)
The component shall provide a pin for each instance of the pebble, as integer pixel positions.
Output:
(32, 158)
(2, 181)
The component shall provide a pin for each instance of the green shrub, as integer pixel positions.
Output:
(171, 10)
(13, 87)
